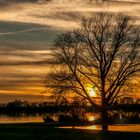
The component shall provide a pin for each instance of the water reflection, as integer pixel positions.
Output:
(25, 119)
(93, 127)
(124, 128)
(38, 118)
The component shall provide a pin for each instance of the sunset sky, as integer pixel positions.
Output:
(27, 30)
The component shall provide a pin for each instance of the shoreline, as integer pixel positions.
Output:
(127, 128)
(41, 131)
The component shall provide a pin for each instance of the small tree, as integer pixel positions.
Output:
(102, 54)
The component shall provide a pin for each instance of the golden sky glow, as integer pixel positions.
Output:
(26, 34)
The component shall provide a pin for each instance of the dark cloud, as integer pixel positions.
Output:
(125, 1)
(67, 16)
(4, 3)
(27, 33)
(27, 63)
(13, 80)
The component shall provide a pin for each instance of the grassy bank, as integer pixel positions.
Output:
(43, 132)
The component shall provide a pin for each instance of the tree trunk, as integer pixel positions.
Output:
(104, 119)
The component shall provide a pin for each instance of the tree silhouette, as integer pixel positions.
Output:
(102, 54)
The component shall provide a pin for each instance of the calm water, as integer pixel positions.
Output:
(37, 118)
(25, 119)
(124, 128)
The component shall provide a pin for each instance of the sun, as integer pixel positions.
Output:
(91, 91)
(91, 118)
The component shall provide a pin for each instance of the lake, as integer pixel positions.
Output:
(23, 119)
(38, 118)
(124, 128)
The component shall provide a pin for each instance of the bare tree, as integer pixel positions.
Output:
(103, 54)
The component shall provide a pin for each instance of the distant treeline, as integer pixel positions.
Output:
(19, 107)
(24, 107)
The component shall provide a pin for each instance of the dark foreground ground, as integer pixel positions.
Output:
(43, 132)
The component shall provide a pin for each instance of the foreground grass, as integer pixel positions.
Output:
(43, 132)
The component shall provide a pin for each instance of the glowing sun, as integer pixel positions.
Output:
(91, 118)
(91, 91)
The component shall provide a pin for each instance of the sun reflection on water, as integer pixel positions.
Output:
(123, 128)
(91, 118)
(93, 127)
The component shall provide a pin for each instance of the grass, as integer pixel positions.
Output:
(42, 132)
